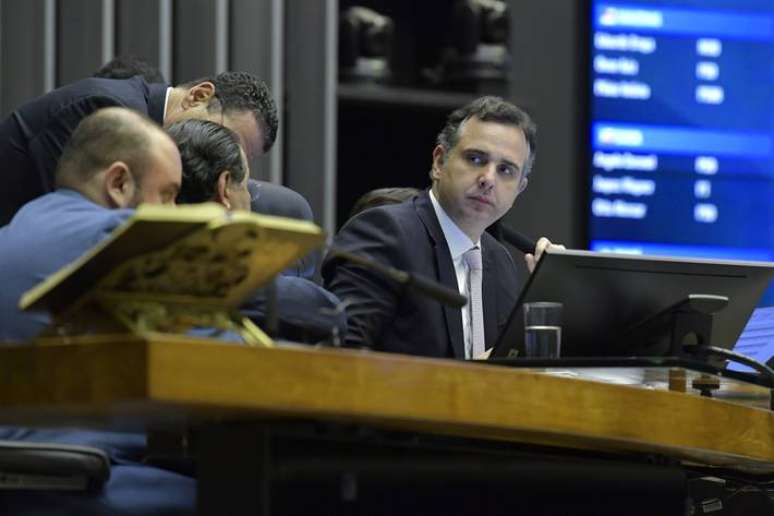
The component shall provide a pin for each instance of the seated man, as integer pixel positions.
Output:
(381, 197)
(215, 169)
(115, 160)
(33, 136)
(480, 165)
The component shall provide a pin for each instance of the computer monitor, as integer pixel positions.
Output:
(757, 339)
(606, 295)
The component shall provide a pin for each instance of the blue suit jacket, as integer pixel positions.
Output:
(32, 137)
(46, 234)
(387, 317)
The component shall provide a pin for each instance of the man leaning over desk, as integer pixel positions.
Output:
(481, 163)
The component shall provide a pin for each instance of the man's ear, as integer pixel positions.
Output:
(221, 192)
(439, 154)
(523, 184)
(198, 95)
(119, 185)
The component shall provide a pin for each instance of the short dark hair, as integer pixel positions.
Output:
(382, 196)
(490, 109)
(240, 91)
(102, 138)
(124, 67)
(206, 150)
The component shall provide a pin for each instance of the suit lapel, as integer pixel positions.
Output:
(446, 274)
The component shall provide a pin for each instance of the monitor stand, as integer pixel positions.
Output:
(686, 326)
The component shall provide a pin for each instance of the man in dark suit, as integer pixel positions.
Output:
(33, 136)
(215, 170)
(266, 198)
(480, 165)
(281, 201)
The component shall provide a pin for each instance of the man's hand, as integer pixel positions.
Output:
(540, 248)
(484, 355)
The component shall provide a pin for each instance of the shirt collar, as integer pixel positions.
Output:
(457, 240)
(166, 101)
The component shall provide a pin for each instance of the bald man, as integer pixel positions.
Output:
(115, 160)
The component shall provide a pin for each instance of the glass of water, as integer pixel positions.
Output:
(542, 329)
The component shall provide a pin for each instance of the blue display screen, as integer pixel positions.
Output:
(682, 128)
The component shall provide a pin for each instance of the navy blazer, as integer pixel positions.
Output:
(271, 199)
(33, 136)
(387, 317)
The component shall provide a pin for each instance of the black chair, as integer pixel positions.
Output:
(50, 466)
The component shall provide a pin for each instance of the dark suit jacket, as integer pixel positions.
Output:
(270, 199)
(386, 317)
(32, 137)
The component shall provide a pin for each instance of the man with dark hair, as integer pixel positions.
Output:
(115, 160)
(228, 98)
(214, 165)
(382, 197)
(210, 153)
(480, 165)
(215, 169)
(124, 67)
(33, 136)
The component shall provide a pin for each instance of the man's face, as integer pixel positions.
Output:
(243, 123)
(478, 179)
(239, 195)
(160, 182)
(197, 102)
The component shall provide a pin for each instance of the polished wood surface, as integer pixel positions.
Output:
(168, 379)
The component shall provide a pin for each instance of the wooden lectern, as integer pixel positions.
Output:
(171, 269)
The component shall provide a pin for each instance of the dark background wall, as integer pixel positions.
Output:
(339, 140)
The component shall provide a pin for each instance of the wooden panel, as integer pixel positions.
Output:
(255, 34)
(179, 378)
(25, 65)
(195, 40)
(310, 121)
(138, 30)
(80, 32)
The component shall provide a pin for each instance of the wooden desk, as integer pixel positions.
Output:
(175, 382)
(135, 382)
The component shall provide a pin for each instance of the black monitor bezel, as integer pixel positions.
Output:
(556, 278)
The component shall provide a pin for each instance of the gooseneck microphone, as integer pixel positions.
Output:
(518, 240)
(426, 286)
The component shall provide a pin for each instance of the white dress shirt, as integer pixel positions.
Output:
(458, 243)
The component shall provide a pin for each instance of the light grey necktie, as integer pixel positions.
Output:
(475, 304)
